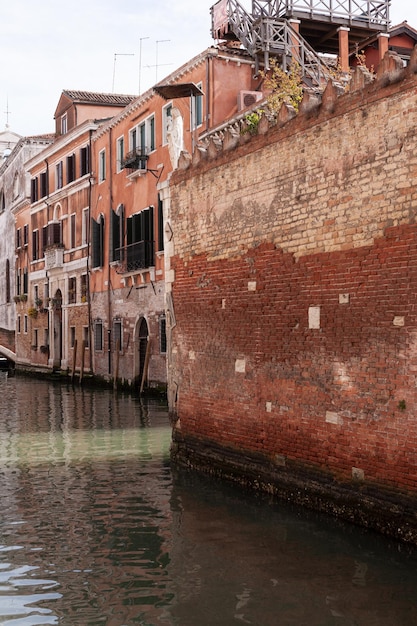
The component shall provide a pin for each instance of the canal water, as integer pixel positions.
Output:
(96, 528)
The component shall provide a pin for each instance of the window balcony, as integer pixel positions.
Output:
(135, 160)
(135, 257)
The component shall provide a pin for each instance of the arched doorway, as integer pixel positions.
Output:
(142, 351)
(57, 328)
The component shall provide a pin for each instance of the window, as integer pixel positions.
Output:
(84, 227)
(35, 339)
(70, 168)
(44, 184)
(101, 166)
(18, 281)
(86, 337)
(35, 245)
(160, 224)
(162, 335)
(72, 231)
(46, 292)
(25, 324)
(59, 182)
(64, 124)
(25, 280)
(197, 109)
(51, 234)
(133, 139)
(72, 290)
(19, 324)
(140, 242)
(34, 190)
(98, 335)
(19, 238)
(2, 202)
(142, 137)
(83, 287)
(118, 335)
(72, 336)
(166, 119)
(7, 280)
(97, 242)
(84, 161)
(25, 234)
(120, 153)
(116, 234)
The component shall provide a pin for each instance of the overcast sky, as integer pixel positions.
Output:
(100, 45)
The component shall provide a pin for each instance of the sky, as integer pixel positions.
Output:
(111, 46)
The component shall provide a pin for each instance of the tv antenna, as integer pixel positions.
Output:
(140, 60)
(119, 54)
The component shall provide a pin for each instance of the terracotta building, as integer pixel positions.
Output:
(52, 238)
(133, 157)
(90, 242)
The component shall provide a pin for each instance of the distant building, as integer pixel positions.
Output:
(14, 196)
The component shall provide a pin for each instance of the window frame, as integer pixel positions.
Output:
(102, 165)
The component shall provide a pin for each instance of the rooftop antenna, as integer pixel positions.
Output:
(156, 56)
(7, 112)
(119, 54)
(140, 60)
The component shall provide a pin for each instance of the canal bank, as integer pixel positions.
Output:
(389, 512)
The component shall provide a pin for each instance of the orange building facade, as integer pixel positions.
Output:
(90, 275)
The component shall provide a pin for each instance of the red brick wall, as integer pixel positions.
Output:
(294, 272)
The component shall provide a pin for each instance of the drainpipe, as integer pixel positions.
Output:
(109, 304)
(90, 321)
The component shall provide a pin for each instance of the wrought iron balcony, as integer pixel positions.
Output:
(135, 256)
(136, 159)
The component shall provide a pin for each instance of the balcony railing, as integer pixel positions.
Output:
(135, 256)
(136, 159)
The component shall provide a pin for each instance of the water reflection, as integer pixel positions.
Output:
(96, 529)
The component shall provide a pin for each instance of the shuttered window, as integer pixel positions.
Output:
(97, 241)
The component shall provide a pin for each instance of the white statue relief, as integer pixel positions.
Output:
(175, 136)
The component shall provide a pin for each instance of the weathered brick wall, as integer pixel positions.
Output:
(294, 271)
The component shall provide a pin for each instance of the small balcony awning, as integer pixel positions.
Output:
(180, 90)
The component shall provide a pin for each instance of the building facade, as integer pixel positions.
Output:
(52, 240)
(14, 195)
(134, 155)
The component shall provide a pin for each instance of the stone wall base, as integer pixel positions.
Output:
(390, 512)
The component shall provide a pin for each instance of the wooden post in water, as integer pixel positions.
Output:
(74, 360)
(116, 367)
(82, 361)
(145, 365)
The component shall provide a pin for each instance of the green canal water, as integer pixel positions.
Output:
(97, 528)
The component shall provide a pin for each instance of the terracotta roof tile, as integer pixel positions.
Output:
(88, 97)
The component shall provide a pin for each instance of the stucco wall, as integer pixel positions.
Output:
(293, 268)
